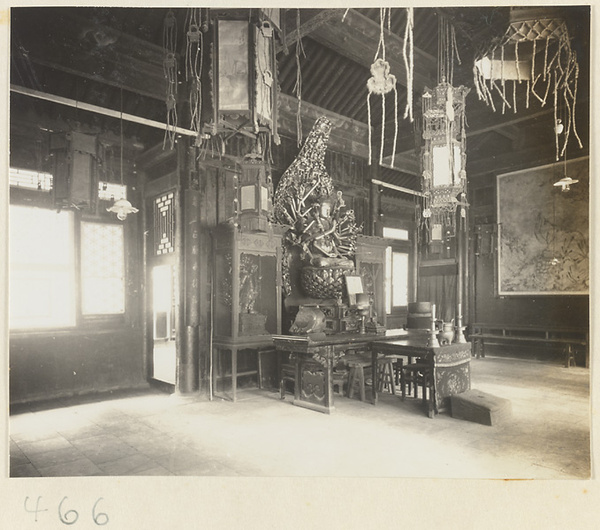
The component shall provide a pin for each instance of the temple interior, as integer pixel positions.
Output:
(282, 242)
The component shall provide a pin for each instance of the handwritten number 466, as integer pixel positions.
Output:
(68, 517)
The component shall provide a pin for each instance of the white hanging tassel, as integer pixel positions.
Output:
(382, 128)
(381, 82)
(409, 63)
(369, 120)
(298, 85)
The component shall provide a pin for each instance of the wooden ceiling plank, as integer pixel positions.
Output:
(341, 91)
(311, 73)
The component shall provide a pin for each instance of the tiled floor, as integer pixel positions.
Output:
(548, 435)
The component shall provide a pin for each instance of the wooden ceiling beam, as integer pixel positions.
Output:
(357, 38)
(307, 27)
(92, 51)
(347, 135)
(405, 162)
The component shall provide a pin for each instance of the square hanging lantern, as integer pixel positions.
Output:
(244, 74)
(444, 156)
(254, 195)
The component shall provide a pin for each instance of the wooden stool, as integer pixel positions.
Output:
(339, 378)
(415, 375)
(420, 374)
(287, 374)
(386, 374)
(569, 353)
(356, 376)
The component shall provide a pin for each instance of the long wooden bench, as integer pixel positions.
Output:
(569, 338)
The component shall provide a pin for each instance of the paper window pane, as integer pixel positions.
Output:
(42, 268)
(102, 269)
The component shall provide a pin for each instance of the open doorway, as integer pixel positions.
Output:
(164, 353)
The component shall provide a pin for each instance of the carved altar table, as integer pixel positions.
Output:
(450, 366)
(314, 359)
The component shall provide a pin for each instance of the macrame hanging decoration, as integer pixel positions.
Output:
(444, 152)
(298, 85)
(382, 83)
(170, 72)
(193, 67)
(537, 52)
(409, 62)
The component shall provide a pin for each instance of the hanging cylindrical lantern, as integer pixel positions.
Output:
(444, 156)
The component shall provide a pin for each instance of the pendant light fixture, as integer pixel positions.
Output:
(122, 207)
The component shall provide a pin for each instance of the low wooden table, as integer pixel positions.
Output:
(450, 365)
(259, 344)
(314, 359)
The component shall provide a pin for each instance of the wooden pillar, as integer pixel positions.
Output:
(375, 201)
(211, 203)
(459, 261)
(416, 260)
(186, 233)
(146, 305)
(189, 360)
(467, 290)
(461, 224)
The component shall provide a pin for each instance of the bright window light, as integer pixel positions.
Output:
(33, 180)
(396, 281)
(395, 233)
(42, 268)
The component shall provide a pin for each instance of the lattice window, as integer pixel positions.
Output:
(164, 228)
(34, 180)
(102, 269)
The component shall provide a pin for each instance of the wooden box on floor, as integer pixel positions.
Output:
(480, 407)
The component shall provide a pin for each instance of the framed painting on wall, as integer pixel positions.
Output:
(543, 233)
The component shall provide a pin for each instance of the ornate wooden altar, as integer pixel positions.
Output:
(314, 359)
(450, 365)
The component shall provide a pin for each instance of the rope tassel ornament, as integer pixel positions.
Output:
(381, 83)
(170, 73)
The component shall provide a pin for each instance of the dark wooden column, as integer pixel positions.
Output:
(187, 241)
(374, 202)
(461, 245)
(146, 309)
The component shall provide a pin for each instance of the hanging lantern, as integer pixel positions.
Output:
(444, 156)
(122, 208)
(535, 56)
(254, 195)
(75, 170)
(244, 76)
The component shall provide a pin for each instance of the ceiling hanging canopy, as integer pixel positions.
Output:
(534, 55)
